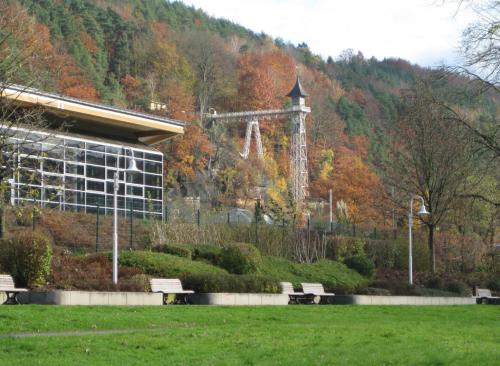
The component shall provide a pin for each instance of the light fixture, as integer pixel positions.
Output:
(423, 211)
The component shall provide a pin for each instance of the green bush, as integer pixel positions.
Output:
(341, 247)
(361, 264)
(210, 253)
(26, 256)
(435, 282)
(459, 288)
(494, 283)
(224, 282)
(165, 265)
(174, 250)
(241, 258)
(335, 276)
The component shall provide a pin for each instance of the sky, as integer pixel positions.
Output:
(426, 32)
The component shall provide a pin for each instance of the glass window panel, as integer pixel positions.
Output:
(157, 207)
(53, 166)
(112, 150)
(109, 188)
(52, 180)
(138, 154)
(94, 199)
(156, 157)
(135, 203)
(74, 183)
(136, 178)
(134, 190)
(111, 175)
(53, 151)
(30, 162)
(30, 177)
(95, 147)
(70, 196)
(51, 194)
(93, 185)
(111, 160)
(29, 192)
(152, 167)
(96, 172)
(153, 193)
(153, 180)
(33, 136)
(30, 148)
(95, 158)
(74, 143)
(75, 169)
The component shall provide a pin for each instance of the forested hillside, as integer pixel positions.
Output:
(131, 52)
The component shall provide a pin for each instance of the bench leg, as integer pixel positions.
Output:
(181, 299)
(11, 299)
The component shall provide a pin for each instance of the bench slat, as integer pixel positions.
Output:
(168, 285)
(7, 284)
(315, 289)
(287, 288)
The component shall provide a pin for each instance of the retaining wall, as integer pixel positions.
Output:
(90, 298)
(400, 300)
(238, 299)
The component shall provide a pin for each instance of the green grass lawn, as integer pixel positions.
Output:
(202, 335)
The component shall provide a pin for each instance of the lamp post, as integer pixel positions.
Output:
(421, 212)
(132, 168)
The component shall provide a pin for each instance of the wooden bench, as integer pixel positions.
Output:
(295, 297)
(7, 286)
(170, 286)
(316, 292)
(484, 296)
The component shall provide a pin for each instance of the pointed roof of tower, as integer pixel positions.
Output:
(297, 91)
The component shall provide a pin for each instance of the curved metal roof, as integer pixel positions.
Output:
(297, 90)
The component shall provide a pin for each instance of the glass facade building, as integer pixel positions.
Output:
(74, 173)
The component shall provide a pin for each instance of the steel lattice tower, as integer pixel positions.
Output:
(299, 177)
(298, 148)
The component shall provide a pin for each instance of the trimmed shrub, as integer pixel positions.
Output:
(241, 258)
(459, 287)
(210, 253)
(335, 277)
(494, 283)
(374, 291)
(174, 250)
(224, 282)
(435, 282)
(164, 265)
(26, 256)
(361, 264)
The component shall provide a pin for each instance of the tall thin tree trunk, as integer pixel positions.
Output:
(432, 251)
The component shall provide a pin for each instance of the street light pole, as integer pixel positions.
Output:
(422, 211)
(115, 228)
(132, 168)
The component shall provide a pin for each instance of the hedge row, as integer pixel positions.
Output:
(225, 282)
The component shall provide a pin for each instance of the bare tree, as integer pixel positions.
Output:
(480, 48)
(20, 143)
(432, 158)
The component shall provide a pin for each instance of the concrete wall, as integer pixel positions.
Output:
(90, 298)
(238, 299)
(400, 300)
